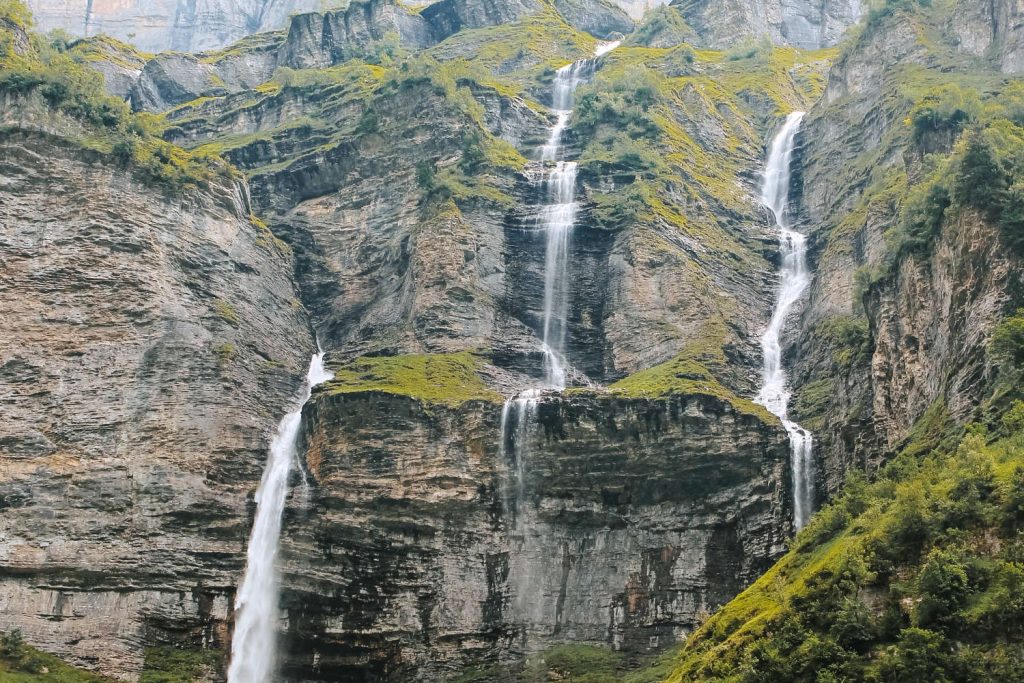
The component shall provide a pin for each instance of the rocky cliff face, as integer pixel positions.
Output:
(420, 551)
(405, 188)
(152, 341)
(994, 30)
(157, 25)
(872, 357)
(808, 25)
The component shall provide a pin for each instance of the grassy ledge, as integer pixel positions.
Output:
(449, 379)
(683, 375)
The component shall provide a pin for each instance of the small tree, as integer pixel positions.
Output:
(944, 588)
(980, 181)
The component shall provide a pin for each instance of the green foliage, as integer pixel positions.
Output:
(16, 12)
(425, 177)
(20, 663)
(169, 664)
(915, 576)
(226, 352)
(880, 9)
(979, 180)
(69, 88)
(687, 374)
(1006, 350)
(945, 110)
(368, 122)
(918, 655)
(944, 588)
(226, 312)
(575, 664)
(449, 379)
(620, 103)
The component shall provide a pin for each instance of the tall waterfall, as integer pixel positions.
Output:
(557, 218)
(252, 647)
(794, 279)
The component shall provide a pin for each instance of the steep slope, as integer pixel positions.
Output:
(806, 24)
(158, 25)
(152, 338)
(867, 367)
(914, 575)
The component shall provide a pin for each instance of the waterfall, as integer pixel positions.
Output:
(252, 647)
(516, 417)
(558, 216)
(793, 280)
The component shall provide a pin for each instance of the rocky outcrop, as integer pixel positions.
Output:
(152, 341)
(419, 549)
(994, 30)
(319, 40)
(170, 79)
(448, 17)
(807, 24)
(597, 17)
(931, 324)
(158, 25)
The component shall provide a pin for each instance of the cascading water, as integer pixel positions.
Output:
(556, 218)
(252, 647)
(794, 279)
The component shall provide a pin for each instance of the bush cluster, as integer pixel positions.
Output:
(74, 89)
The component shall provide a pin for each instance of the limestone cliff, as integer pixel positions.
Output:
(806, 24)
(151, 343)
(419, 553)
(157, 25)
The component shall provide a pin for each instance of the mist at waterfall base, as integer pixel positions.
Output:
(793, 281)
(253, 644)
(556, 218)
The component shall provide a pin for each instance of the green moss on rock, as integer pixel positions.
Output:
(685, 375)
(21, 663)
(449, 379)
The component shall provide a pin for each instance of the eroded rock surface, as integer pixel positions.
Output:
(151, 344)
(419, 551)
(807, 24)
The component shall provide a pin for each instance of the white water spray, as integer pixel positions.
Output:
(794, 279)
(558, 216)
(253, 646)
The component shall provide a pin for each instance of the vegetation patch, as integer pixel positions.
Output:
(688, 374)
(21, 663)
(576, 664)
(450, 379)
(168, 664)
(918, 575)
(66, 86)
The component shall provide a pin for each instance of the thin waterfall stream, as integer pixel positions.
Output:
(557, 219)
(253, 644)
(793, 281)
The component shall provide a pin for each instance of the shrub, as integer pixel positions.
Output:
(944, 588)
(16, 12)
(979, 180)
(918, 656)
(944, 110)
(1007, 345)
